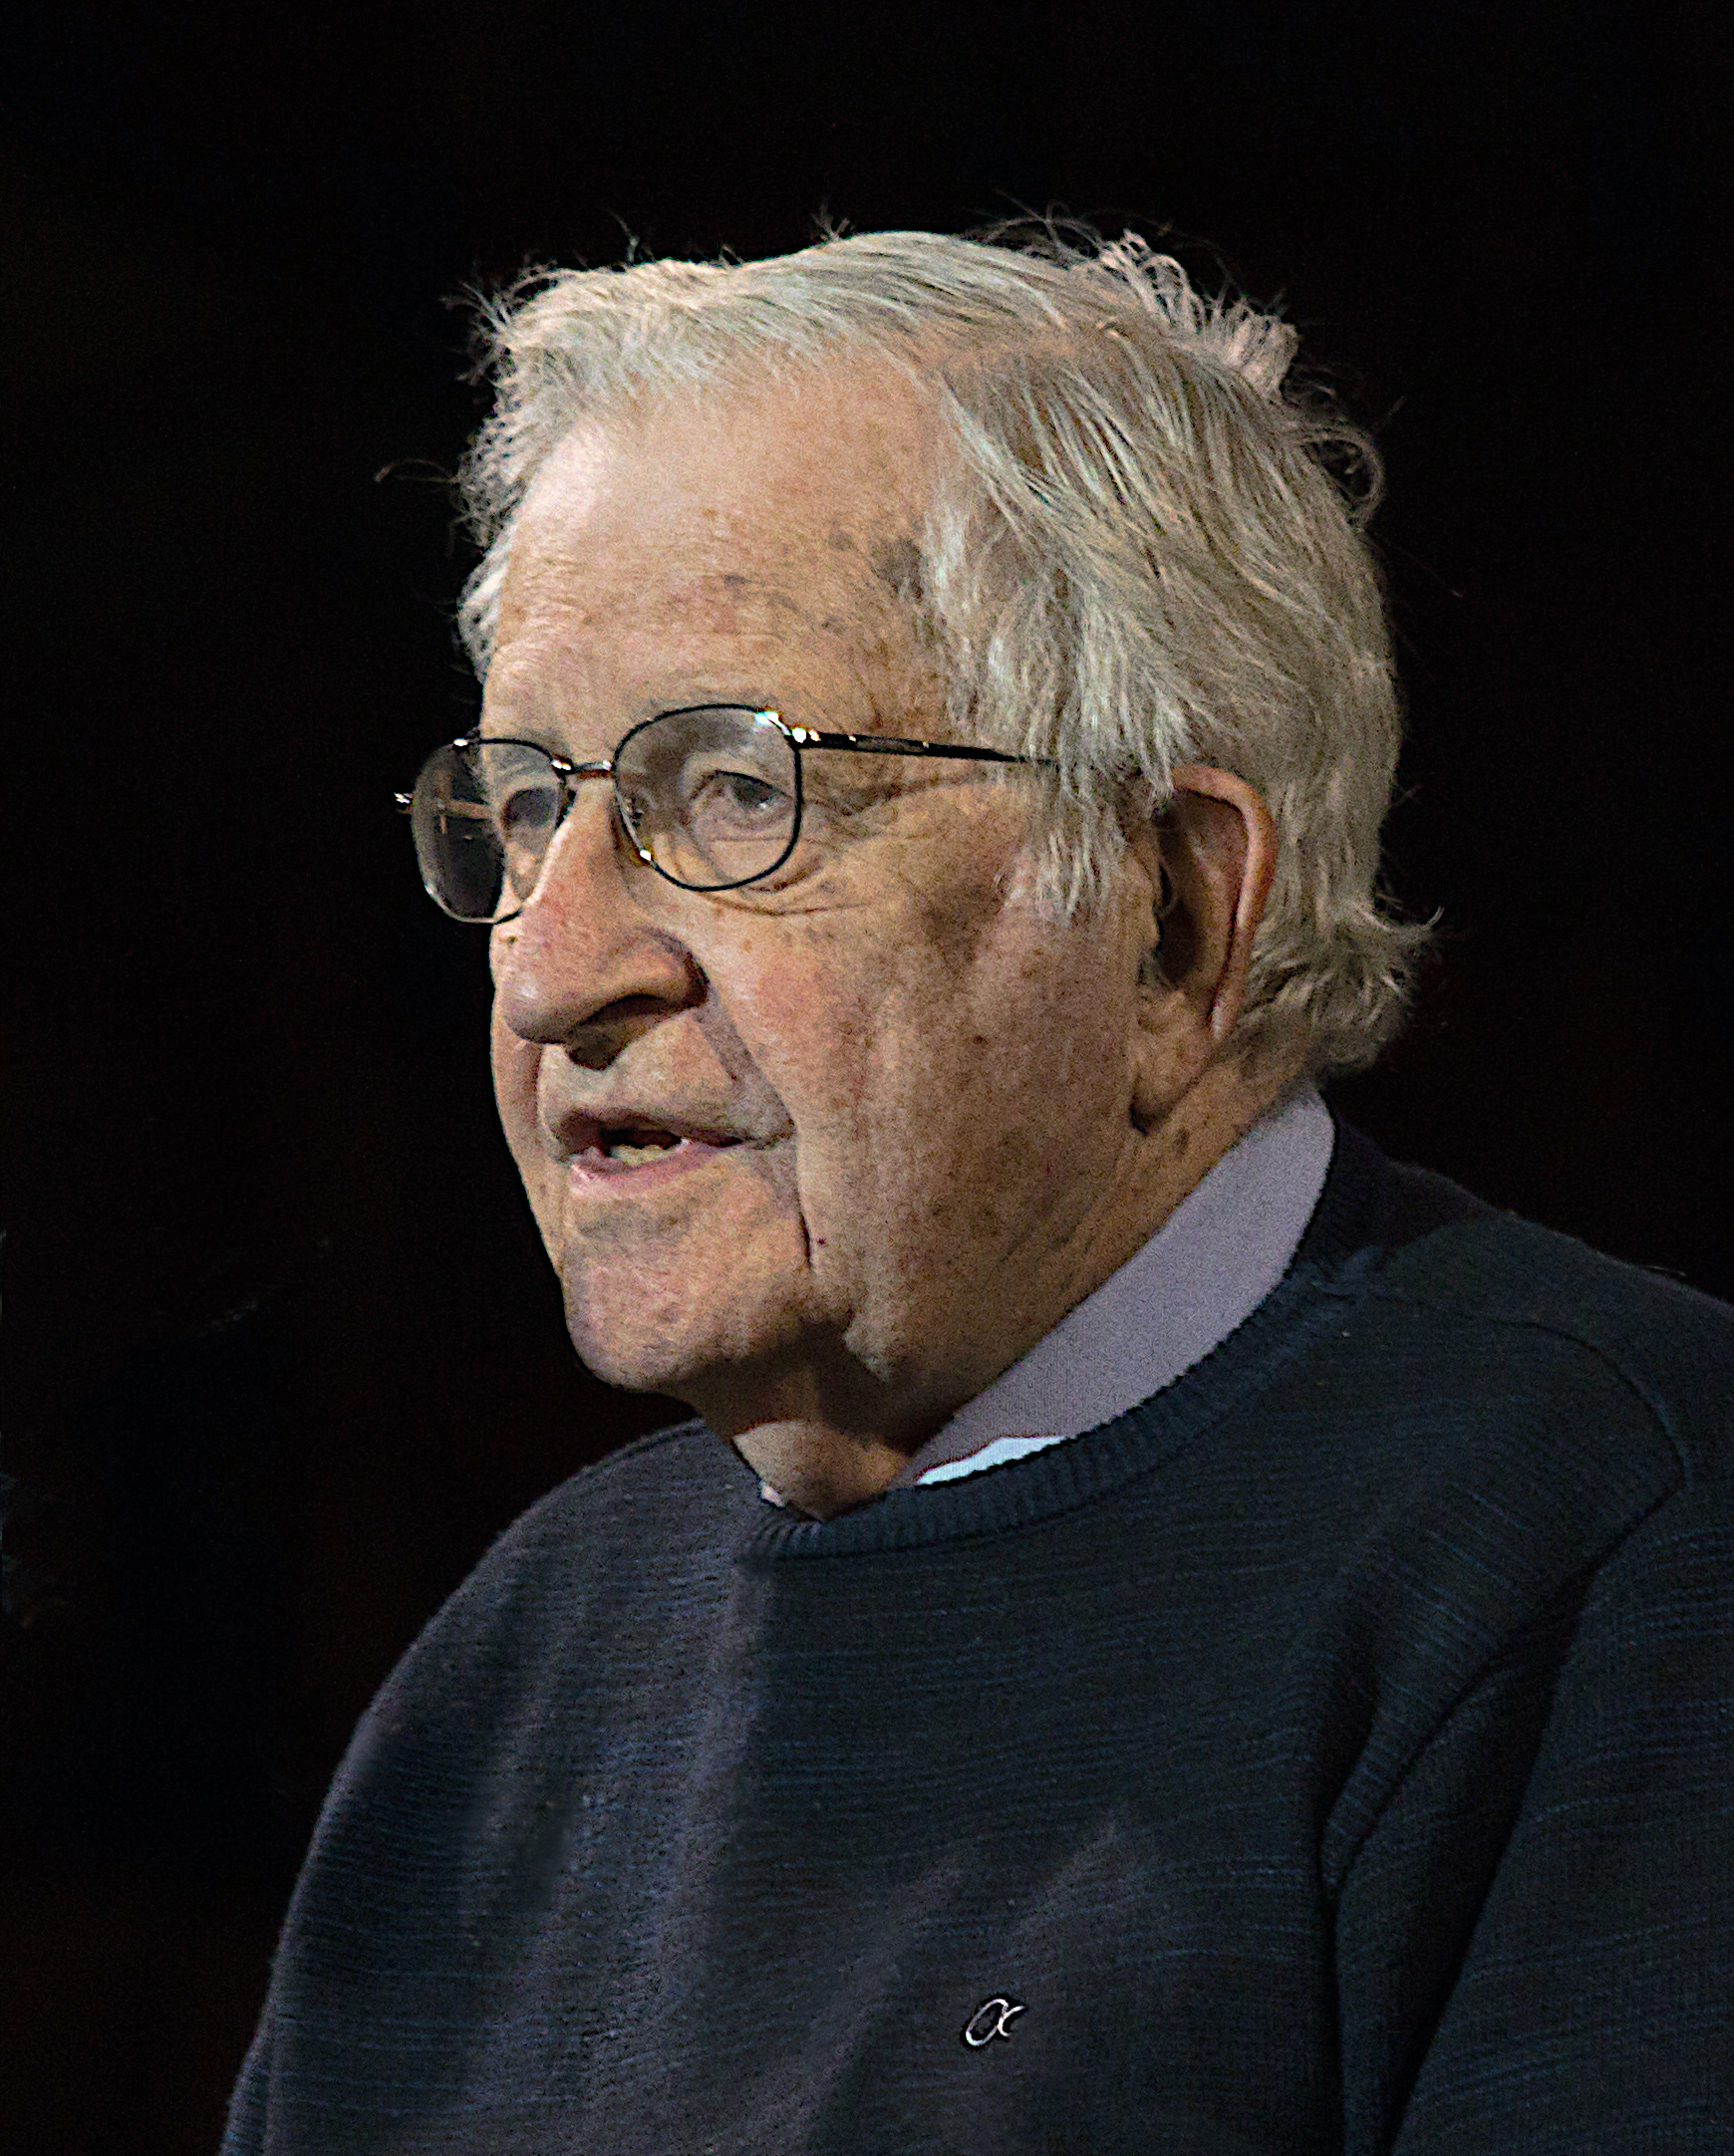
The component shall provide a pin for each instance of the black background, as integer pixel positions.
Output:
(279, 1354)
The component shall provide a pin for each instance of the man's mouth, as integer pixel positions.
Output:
(622, 1149)
(633, 1148)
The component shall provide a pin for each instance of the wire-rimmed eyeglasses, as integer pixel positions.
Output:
(708, 796)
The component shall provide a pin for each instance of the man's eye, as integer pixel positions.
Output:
(525, 811)
(739, 801)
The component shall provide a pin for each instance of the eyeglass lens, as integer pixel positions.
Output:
(710, 797)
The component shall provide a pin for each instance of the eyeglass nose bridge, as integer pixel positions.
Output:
(569, 774)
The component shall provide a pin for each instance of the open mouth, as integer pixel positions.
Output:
(618, 1148)
(635, 1147)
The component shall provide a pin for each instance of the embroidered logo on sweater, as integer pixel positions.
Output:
(989, 2020)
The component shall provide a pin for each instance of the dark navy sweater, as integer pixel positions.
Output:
(1335, 1752)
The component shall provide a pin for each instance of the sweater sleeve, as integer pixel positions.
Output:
(245, 2134)
(1563, 1854)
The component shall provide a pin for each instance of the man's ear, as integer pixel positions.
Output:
(1216, 845)
(1219, 844)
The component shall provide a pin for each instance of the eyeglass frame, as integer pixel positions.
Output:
(799, 737)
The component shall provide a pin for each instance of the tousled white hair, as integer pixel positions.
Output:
(1137, 556)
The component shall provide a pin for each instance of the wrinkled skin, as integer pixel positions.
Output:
(951, 1119)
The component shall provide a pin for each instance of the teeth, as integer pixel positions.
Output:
(635, 1156)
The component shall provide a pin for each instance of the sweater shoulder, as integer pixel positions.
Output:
(1591, 1318)
(673, 1474)
(659, 1507)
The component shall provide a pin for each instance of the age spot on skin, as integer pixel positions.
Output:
(897, 564)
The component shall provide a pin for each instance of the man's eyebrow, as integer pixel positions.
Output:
(531, 736)
(509, 725)
(540, 734)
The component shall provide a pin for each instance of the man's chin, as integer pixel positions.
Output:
(633, 1358)
(646, 1336)
(659, 1297)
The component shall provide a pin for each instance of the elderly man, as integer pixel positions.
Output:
(1170, 1632)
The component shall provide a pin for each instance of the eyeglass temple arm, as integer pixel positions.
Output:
(885, 744)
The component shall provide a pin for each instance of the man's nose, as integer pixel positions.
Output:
(583, 967)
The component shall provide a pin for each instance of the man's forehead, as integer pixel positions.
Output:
(737, 518)
(833, 458)
(550, 593)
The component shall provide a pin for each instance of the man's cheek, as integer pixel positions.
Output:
(514, 1064)
(804, 1189)
(777, 1169)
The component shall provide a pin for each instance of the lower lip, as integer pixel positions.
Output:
(591, 1170)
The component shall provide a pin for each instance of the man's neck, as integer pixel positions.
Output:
(818, 1470)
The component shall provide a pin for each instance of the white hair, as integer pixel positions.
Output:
(1137, 556)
